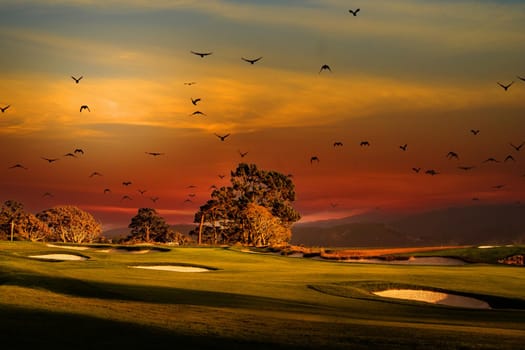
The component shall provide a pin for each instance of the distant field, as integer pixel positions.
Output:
(254, 301)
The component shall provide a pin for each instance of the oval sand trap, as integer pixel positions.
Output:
(434, 298)
(67, 247)
(174, 268)
(58, 257)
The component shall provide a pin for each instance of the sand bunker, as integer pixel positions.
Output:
(58, 257)
(174, 268)
(434, 298)
(67, 247)
(430, 260)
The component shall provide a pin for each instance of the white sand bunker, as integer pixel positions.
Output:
(67, 247)
(58, 257)
(434, 298)
(175, 268)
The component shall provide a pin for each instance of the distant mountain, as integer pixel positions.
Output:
(474, 225)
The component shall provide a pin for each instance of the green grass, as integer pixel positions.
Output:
(250, 300)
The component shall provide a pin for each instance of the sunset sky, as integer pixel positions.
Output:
(421, 73)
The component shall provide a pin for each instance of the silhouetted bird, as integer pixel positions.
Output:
(70, 155)
(192, 195)
(517, 148)
(197, 113)
(325, 67)
(498, 186)
(107, 190)
(451, 155)
(126, 183)
(154, 154)
(243, 154)
(84, 107)
(404, 147)
(142, 191)
(221, 176)
(431, 172)
(474, 131)
(187, 200)
(491, 160)
(18, 165)
(251, 61)
(3, 109)
(50, 160)
(95, 173)
(416, 170)
(354, 12)
(126, 197)
(195, 101)
(466, 167)
(505, 87)
(364, 143)
(191, 186)
(190, 83)
(337, 143)
(333, 205)
(509, 157)
(223, 137)
(79, 150)
(154, 199)
(314, 159)
(48, 194)
(202, 54)
(75, 79)
(521, 78)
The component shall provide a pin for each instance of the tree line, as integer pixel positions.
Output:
(254, 210)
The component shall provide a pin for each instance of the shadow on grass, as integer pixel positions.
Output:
(29, 329)
(151, 294)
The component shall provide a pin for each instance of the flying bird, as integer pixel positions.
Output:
(521, 78)
(126, 197)
(70, 155)
(325, 67)
(142, 191)
(126, 183)
(223, 137)
(50, 160)
(202, 54)
(416, 170)
(404, 147)
(3, 109)
(498, 186)
(466, 167)
(195, 101)
(251, 61)
(95, 173)
(474, 131)
(18, 165)
(509, 157)
(187, 200)
(491, 160)
(154, 154)
(517, 148)
(197, 112)
(314, 158)
(431, 172)
(221, 176)
(77, 80)
(354, 12)
(107, 190)
(192, 195)
(505, 87)
(364, 143)
(190, 83)
(191, 186)
(154, 199)
(78, 150)
(84, 107)
(338, 143)
(48, 194)
(243, 154)
(451, 155)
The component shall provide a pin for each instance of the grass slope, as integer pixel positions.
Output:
(256, 300)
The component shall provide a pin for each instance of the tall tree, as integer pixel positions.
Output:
(71, 224)
(226, 216)
(148, 226)
(11, 216)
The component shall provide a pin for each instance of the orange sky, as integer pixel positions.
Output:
(417, 73)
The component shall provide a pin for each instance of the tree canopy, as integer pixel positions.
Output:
(71, 224)
(251, 211)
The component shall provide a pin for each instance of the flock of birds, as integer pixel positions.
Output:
(451, 155)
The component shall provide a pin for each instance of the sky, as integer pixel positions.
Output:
(420, 73)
